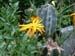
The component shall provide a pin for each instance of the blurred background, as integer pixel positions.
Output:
(55, 16)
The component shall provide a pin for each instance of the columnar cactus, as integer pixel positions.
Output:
(47, 13)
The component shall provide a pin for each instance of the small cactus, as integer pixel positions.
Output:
(47, 13)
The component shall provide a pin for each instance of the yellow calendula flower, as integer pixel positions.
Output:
(73, 14)
(32, 27)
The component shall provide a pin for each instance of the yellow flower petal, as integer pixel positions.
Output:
(35, 19)
(23, 27)
(33, 27)
(29, 32)
(74, 20)
(39, 30)
(72, 14)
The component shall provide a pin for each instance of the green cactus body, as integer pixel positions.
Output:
(47, 13)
